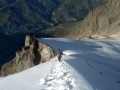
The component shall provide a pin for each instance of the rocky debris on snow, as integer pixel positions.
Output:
(33, 53)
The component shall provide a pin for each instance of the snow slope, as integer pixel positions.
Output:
(60, 78)
(86, 65)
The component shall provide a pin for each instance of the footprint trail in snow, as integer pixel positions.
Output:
(59, 78)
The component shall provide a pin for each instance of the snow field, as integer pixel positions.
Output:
(86, 65)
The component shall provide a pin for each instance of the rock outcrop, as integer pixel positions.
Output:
(104, 21)
(33, 53)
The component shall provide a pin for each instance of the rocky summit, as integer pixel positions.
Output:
(33, 53)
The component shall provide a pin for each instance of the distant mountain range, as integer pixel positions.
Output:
(35, 15)
(101, 22)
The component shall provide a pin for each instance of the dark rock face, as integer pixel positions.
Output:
(33, 53)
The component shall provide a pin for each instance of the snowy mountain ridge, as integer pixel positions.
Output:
(86, 65)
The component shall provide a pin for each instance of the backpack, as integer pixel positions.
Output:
(59, 54)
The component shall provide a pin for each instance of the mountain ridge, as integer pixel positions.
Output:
(103, 21)
(35, 15)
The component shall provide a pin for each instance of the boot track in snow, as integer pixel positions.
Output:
(59, 78)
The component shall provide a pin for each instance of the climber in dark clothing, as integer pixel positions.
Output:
(59, 55)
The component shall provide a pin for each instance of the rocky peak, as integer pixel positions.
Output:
(27, 40)
(33, 53)
(31, 42)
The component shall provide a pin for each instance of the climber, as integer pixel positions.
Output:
(59, 55)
